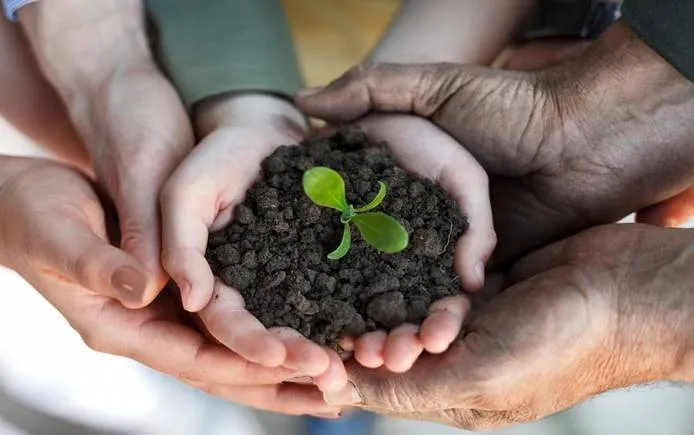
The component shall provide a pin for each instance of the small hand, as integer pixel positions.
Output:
(52, 232)
(581, 144)
(580, 317)
(422, 148)
(238, 132)
(130, 118)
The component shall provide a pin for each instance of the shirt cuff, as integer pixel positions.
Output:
(666, 26)
(11, 7)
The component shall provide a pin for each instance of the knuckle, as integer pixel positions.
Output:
(436, 85)
(97, 341)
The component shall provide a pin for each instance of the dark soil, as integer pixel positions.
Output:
(275, 251)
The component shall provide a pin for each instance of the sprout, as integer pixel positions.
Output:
(326, 188)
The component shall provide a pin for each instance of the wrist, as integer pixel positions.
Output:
(82, 44)
(655, 308)
(255, 110)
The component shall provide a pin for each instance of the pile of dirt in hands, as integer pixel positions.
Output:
(274, 252)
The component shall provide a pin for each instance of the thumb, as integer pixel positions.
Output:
(140, 234)
(76, 250)
(673, 212)
(385, 87)
(434, 383)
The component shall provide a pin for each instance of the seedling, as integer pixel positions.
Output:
(326, 188)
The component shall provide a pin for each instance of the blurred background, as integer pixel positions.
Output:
(51, 383)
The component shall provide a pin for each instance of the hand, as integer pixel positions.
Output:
(581, 144)
(422, 148)
(608, 308)
(130, 118)
(238, 132)
(673, 212)
(52, 232)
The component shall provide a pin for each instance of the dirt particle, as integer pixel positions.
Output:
(274, 252)
(389, 309)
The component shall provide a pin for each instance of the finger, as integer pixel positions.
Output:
(456, 171)
(443, 324)
(384, 87)
(303, 355)
(369, 347)
(183, 252)
(290, 399)
(670, 213)
(72, 246)
(335, 376)
(402, 348)
(228, 321)
(177, 350)
(427, 386)
(210, 181)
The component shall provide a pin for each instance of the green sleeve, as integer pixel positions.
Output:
(667, 26)
(215, 46)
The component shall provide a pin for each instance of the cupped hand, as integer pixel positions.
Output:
(608, 308)
(238, 132)
(422, 148)
(130, 118)
(52, 232)
(584, 143)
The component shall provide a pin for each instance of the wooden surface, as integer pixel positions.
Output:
(333, 35)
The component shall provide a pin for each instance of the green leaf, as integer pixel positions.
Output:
(382, 232)
(345, 244)
(325, 187)
(378, 199)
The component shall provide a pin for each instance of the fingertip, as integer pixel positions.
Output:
(335, 376)
(191, 272)
(261, 347)
(303, 355)
(402, 348)
(443, 324)
(368, 349)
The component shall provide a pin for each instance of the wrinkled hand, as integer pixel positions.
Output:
(608, 308)
(52, 232)
(584, 143)
(130, 118)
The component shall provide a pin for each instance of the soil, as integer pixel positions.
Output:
(274, 252)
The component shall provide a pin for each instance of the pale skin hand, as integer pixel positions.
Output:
(52, 232)
(608, 308)
(95, 55)
(238, 132)
(577, 145)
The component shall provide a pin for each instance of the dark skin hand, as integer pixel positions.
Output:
(608, 308)
(580, 144)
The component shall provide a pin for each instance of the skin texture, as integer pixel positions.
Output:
(53, 233)
(584, 143)
(129, 117)
(577, 318)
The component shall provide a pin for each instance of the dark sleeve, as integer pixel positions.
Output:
(668, 27)
(215, 46)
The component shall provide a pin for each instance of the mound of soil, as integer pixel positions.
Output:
(274, 252)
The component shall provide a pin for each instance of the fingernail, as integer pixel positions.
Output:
(300, 380)
(129, 283)
(347, 396)
(309, 91)
(184, 288)
(479, 273)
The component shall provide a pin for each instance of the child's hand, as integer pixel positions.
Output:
(238, 133)
(422, 148)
